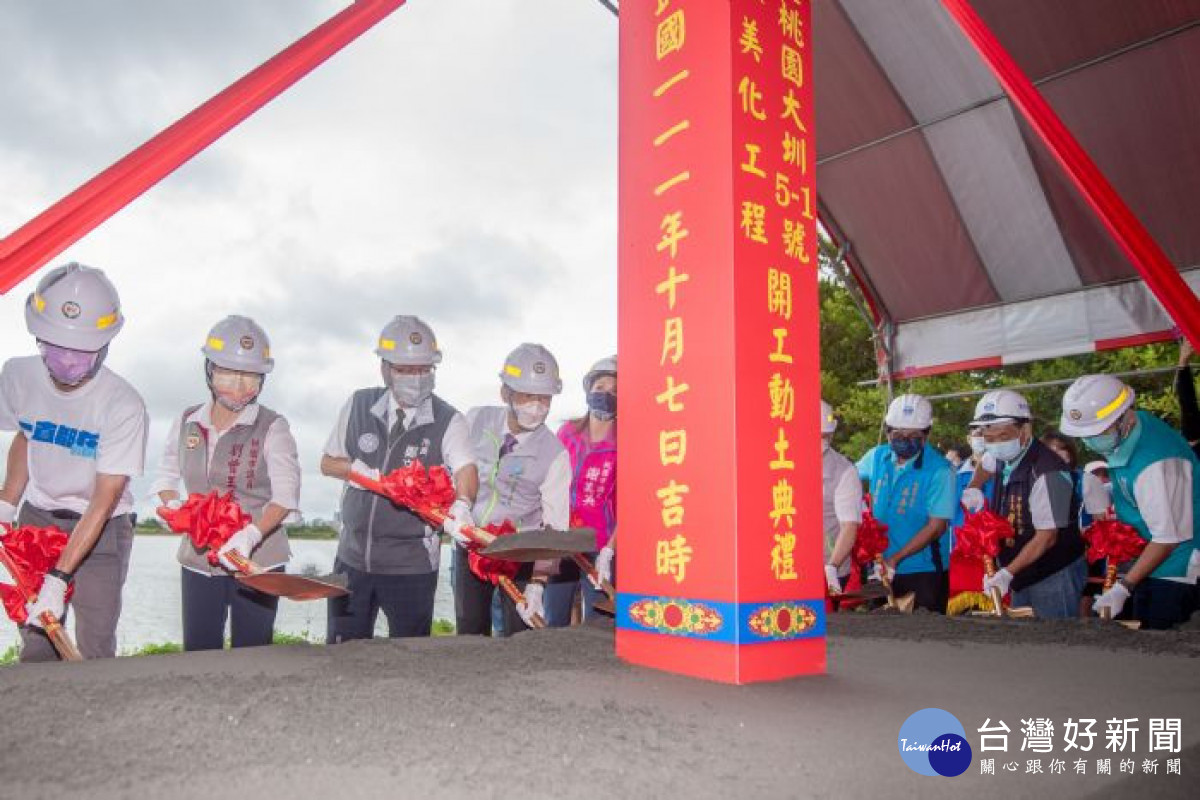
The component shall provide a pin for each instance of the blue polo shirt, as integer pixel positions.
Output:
(906, 497)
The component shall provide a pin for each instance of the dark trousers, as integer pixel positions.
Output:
(473, 601)
(932, 589)
(406, 601)
(1161, 604)
(209, 600)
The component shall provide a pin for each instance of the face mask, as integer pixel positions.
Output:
(906, 448)
(68, 367)
(412, 390)
(1105, 444)
(1006, 451)
(978, 445)
(530, 415)
(233, 390)
(603, 405)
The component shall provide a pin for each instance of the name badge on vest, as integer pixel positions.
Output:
(368, 443)
(192, 441)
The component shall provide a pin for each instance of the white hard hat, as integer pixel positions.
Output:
(407, 341)
(909, 411)
(531, 369)
(1001, 405)
(605, 366)
(1093, 403)
(239, 343)
(74, 307)
(828, 420)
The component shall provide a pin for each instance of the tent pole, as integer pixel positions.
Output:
(1130, 235)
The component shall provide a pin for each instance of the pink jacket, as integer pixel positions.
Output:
(593, 481)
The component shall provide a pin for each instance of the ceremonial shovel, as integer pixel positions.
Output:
(54, 630)
(281, 584)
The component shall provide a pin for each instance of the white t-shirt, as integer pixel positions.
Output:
(98, 428)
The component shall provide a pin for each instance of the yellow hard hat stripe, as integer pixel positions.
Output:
(1114, 405)
(216, 344)
(106, 321)
(513, 371)
(387, 344)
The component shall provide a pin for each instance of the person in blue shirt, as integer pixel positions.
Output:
(914, 495)
(1155, 488)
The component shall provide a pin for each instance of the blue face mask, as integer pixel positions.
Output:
(603, 405)
(906, 448)
(1104, 444)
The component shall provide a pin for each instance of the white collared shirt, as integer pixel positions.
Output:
(279, 450)
(456, 442)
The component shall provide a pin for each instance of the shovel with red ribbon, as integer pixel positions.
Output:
(979, 538)
(1115, 541)
(209, 520)
(28, 553)
(428, 493)
(869, 547)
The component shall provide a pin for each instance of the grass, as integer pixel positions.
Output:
(296, 532)
(441, 627)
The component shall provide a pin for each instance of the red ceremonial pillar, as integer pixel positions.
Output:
(720, 555)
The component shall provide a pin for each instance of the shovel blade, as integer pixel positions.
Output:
(536, 544)
(296, 587)
(906, 603)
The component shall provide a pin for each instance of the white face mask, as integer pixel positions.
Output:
(531, 415)
(978, 445)
(235, 390)
(412, 390)
(1006, 451)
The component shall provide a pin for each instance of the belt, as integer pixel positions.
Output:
(66, 515)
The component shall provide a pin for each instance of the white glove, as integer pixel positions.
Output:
(8, 512)
(972, 499)
(242, 542)
(174, 504)
(832, 580)
(52, 598)
(458, 517)
(1001, 580)
(359, 468)
(533, 603)
(1114, 600)
(877, 572)
(604, 562)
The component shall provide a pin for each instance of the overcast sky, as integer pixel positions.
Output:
(458, 162)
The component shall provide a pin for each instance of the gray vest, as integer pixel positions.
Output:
(833, 466)
(377, 535)
(510, 487)
(239, 464)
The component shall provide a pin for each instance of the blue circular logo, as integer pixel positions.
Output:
(933, 742)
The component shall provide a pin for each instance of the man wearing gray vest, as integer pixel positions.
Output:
(232, 444)
(388, 554)
(525, 477)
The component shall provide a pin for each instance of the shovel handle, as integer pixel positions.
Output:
(989, 566)
(59, 637)
(1110, 580)
(589, 569)
(518, 598)
(243, 564)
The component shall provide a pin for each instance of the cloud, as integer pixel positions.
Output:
(457, 162)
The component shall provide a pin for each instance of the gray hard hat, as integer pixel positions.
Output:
(408, 341)
(531, 369)
(239, 343)
(605, 366)
(76, 307)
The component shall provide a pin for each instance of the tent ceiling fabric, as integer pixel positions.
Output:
(966, 235)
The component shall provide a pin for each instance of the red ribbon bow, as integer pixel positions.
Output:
(419, 488)
(29, 554)
(492, 570)
(1114, 540)
(980, 535)
(872, 539)
(208, 520)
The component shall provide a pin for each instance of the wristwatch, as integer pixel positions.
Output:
(66, 577)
